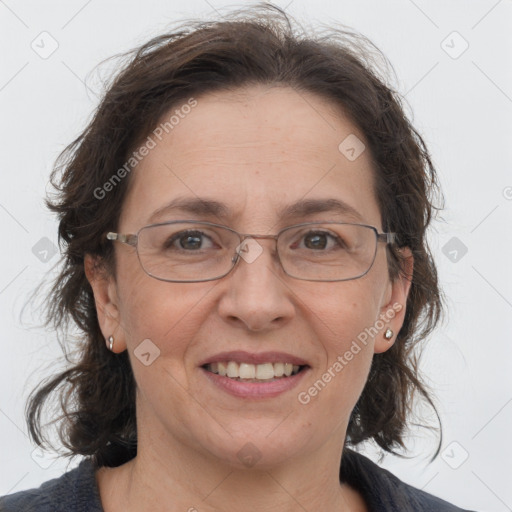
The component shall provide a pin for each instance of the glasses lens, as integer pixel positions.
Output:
(327, 251)
(196, 251)
(186, 251)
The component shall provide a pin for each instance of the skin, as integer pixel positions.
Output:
(256, 150)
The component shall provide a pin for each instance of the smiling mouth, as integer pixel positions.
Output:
(247, 372)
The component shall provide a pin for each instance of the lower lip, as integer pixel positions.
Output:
(243, 389)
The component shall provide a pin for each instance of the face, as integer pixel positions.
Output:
(256, 152)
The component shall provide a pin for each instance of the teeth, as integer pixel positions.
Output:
(265, 371)
(247, 371)
(222, 369)
(278, 369)
(233, 369)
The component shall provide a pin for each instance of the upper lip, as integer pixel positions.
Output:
(240, 356)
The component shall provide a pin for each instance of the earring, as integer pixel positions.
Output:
(388, 334)
(110, 342)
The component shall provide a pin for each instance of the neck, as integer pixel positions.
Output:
(178, 478)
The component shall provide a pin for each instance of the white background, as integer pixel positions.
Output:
(462, 106)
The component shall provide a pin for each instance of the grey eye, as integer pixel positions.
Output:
(187, 240)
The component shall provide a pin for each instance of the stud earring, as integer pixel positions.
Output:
(110, 342)
(388, 334)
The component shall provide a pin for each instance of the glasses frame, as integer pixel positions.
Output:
(132, 240)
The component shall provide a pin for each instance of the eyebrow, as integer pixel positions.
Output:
(211, 208)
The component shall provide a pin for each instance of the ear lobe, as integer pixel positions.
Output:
(105, 296)
(393, 313)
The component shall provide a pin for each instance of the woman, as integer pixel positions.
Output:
(244, 223)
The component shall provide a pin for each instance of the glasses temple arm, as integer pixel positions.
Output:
(125, 239)
(389, 238)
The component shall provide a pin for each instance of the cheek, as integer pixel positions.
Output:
(160, 320)
(344, 310)
(156, 310)
(345, 319)
(334, 388)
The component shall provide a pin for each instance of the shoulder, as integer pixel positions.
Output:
(383, 491)
(74, 491)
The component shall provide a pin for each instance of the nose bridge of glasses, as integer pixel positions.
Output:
(246, 236)
(250, 247)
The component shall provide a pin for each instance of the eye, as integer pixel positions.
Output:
(187, 240)
(319, 240)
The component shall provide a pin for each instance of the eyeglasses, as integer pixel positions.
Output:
(189, 251)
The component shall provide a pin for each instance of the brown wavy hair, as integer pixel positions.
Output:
(260, 44)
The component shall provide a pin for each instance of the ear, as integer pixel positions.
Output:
(392, 313)
(107, 303)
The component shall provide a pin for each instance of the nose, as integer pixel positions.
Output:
(257, 294)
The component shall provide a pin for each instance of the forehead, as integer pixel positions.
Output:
(257, 151)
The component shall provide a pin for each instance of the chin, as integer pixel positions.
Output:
(259, 446)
